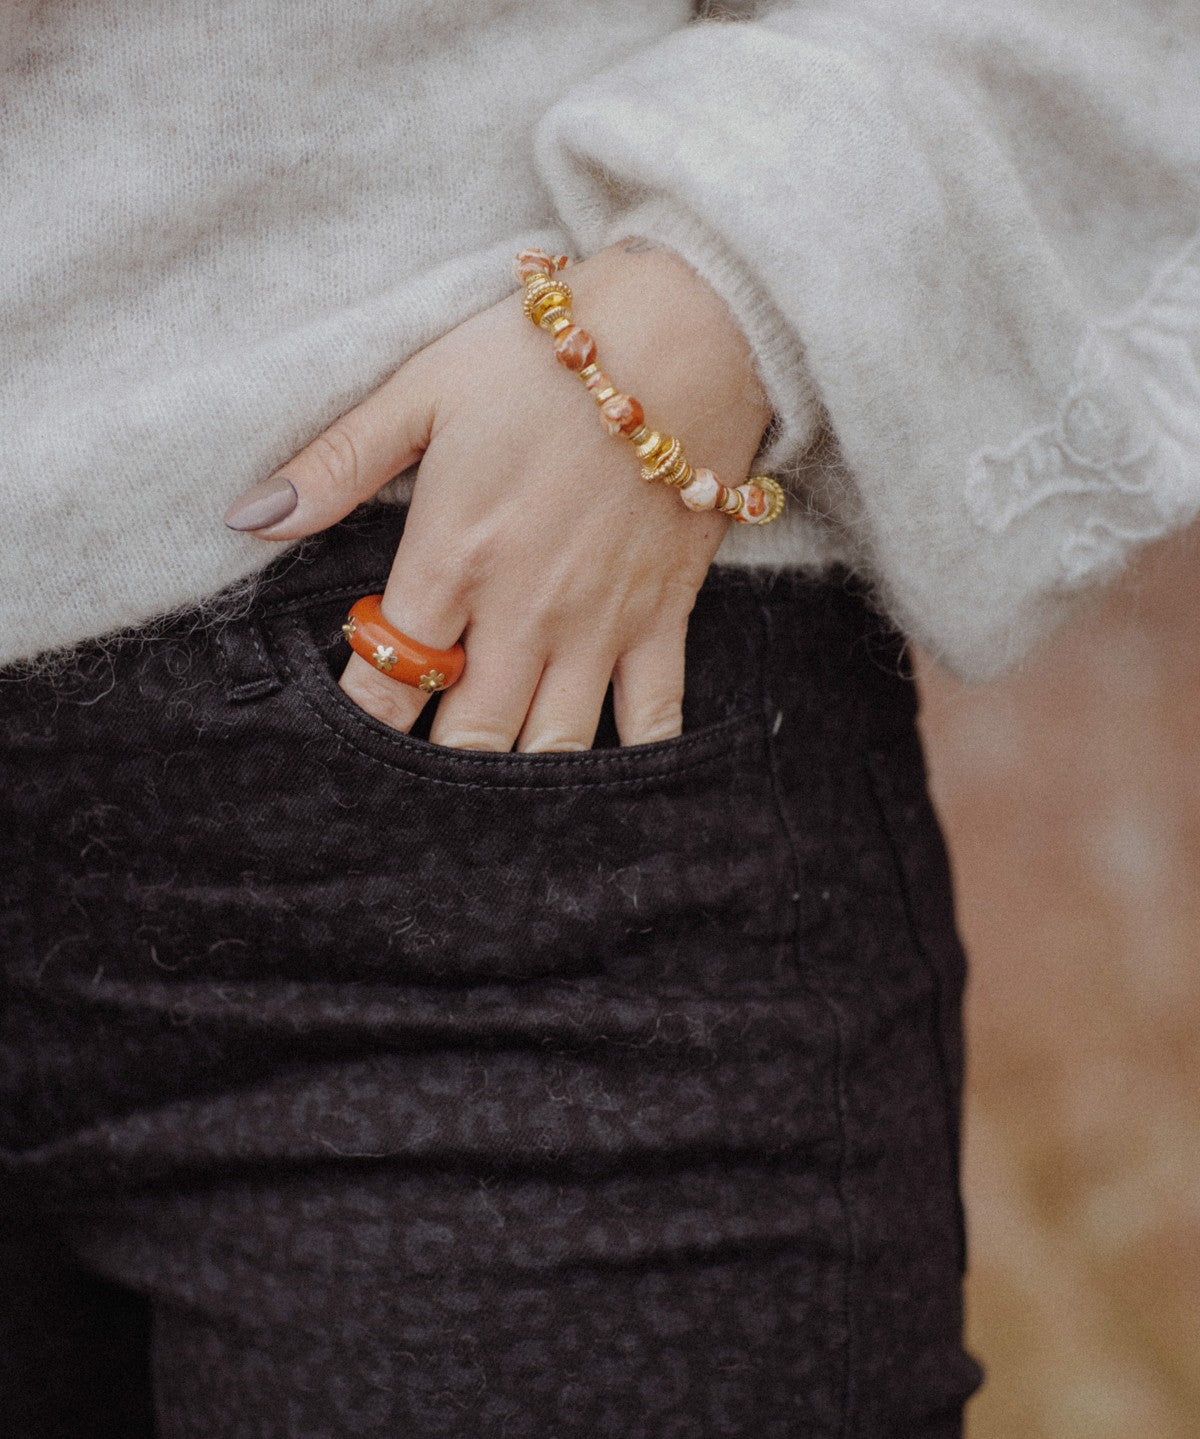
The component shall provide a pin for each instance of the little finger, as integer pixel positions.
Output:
(648, 688)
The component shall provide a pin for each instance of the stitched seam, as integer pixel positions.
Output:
(841, 1104)
(730, 726)
(587, 757)
(259, 650)
(269, 680)
(937, 986)
(590, 758)
(240, 685)
(537, 994)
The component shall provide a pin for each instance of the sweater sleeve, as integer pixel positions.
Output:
(962, 239)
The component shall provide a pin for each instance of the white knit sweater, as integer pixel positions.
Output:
(961, 238)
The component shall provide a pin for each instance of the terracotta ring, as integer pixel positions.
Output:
(398, 655)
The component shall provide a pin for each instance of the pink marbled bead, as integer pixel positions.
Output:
(703, 492)
(575, 348)
(536, 262)
(621, 414)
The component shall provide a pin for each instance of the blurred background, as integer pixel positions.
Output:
(1070, 796)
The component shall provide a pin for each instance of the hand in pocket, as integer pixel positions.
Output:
(531, 535)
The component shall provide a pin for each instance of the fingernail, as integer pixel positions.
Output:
(262, 504)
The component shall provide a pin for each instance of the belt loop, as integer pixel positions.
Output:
(249, 672)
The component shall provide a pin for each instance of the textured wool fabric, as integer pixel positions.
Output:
(960, 239)
(405, 1091)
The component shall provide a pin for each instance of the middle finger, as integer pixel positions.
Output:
(487, 707)
(566, 709)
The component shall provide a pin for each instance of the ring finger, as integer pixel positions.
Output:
(566, 708)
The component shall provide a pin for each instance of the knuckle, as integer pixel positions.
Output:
(336, 459)
(474, 552)
(463, 561)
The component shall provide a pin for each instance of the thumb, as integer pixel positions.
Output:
(346, 464)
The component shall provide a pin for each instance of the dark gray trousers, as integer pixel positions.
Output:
(353, 1086)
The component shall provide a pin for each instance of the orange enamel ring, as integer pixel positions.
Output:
(398, 655)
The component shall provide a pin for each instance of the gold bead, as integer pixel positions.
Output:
(662, 452)
(551, 317)
(549, 307)
(673, 473)
(638, 436)
(561, 323)
(681, 474)
(544, 296)
(605, 394)
(588, 371)
(537, 285)
(734, 500)
(776, 496)
(553, 299)
(651, 440)
(665, 467)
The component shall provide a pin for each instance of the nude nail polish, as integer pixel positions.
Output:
(262, 504)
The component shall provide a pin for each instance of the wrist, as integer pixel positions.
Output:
(664, 328)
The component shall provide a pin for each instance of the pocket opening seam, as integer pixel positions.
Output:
(516, 771)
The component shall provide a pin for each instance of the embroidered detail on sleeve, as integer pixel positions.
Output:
(1121, 461)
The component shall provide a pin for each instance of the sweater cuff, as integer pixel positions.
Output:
(778, 358)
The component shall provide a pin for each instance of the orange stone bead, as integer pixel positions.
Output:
(536, 262)
(763, 500)
(703, 492)
(622, 414)
(756, 502)
(575, 348)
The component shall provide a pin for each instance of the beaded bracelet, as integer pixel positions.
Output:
(548, 304)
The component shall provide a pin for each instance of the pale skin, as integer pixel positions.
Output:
(531, 535)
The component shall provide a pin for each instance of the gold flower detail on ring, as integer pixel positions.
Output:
(385, 658)
(434, 680)
(350, 629)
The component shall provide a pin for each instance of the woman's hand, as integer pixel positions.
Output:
(531, 534)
